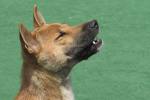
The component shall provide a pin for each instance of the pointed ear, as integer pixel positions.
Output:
(30, 42)
(38, 18)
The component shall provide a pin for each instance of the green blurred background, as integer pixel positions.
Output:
(120, 72)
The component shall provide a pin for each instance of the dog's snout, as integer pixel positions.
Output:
(93, 24)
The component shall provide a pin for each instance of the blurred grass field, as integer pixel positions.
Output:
(120, 72)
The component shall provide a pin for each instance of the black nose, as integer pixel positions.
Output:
(93, 25)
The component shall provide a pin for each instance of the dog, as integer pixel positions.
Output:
(49, 53)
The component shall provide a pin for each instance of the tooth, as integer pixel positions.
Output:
(94, 42)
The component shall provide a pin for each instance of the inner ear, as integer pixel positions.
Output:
(38, 18)
(30, 42)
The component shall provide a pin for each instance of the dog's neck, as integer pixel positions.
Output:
(30, 63)
(39, 83)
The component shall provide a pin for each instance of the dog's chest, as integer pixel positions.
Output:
(67, 93)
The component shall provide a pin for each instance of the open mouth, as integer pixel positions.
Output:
(93, 47)
(90, 49)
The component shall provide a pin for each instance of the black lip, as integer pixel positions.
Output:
(89, 50)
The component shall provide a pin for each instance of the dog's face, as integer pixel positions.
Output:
(56, 46)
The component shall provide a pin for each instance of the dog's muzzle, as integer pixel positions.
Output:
(91, 29)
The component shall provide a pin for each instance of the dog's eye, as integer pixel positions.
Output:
(61, 33)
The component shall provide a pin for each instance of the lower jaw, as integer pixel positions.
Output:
(90, 50)
(86, 55)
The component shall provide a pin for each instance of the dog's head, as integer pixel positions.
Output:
(56, 46)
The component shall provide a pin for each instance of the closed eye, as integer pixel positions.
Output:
(61, 33)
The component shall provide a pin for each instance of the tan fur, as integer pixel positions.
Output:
(39, 80)
(48, 59)
(38, 85)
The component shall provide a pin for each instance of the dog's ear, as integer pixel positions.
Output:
(38, 18)
(28, 40)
